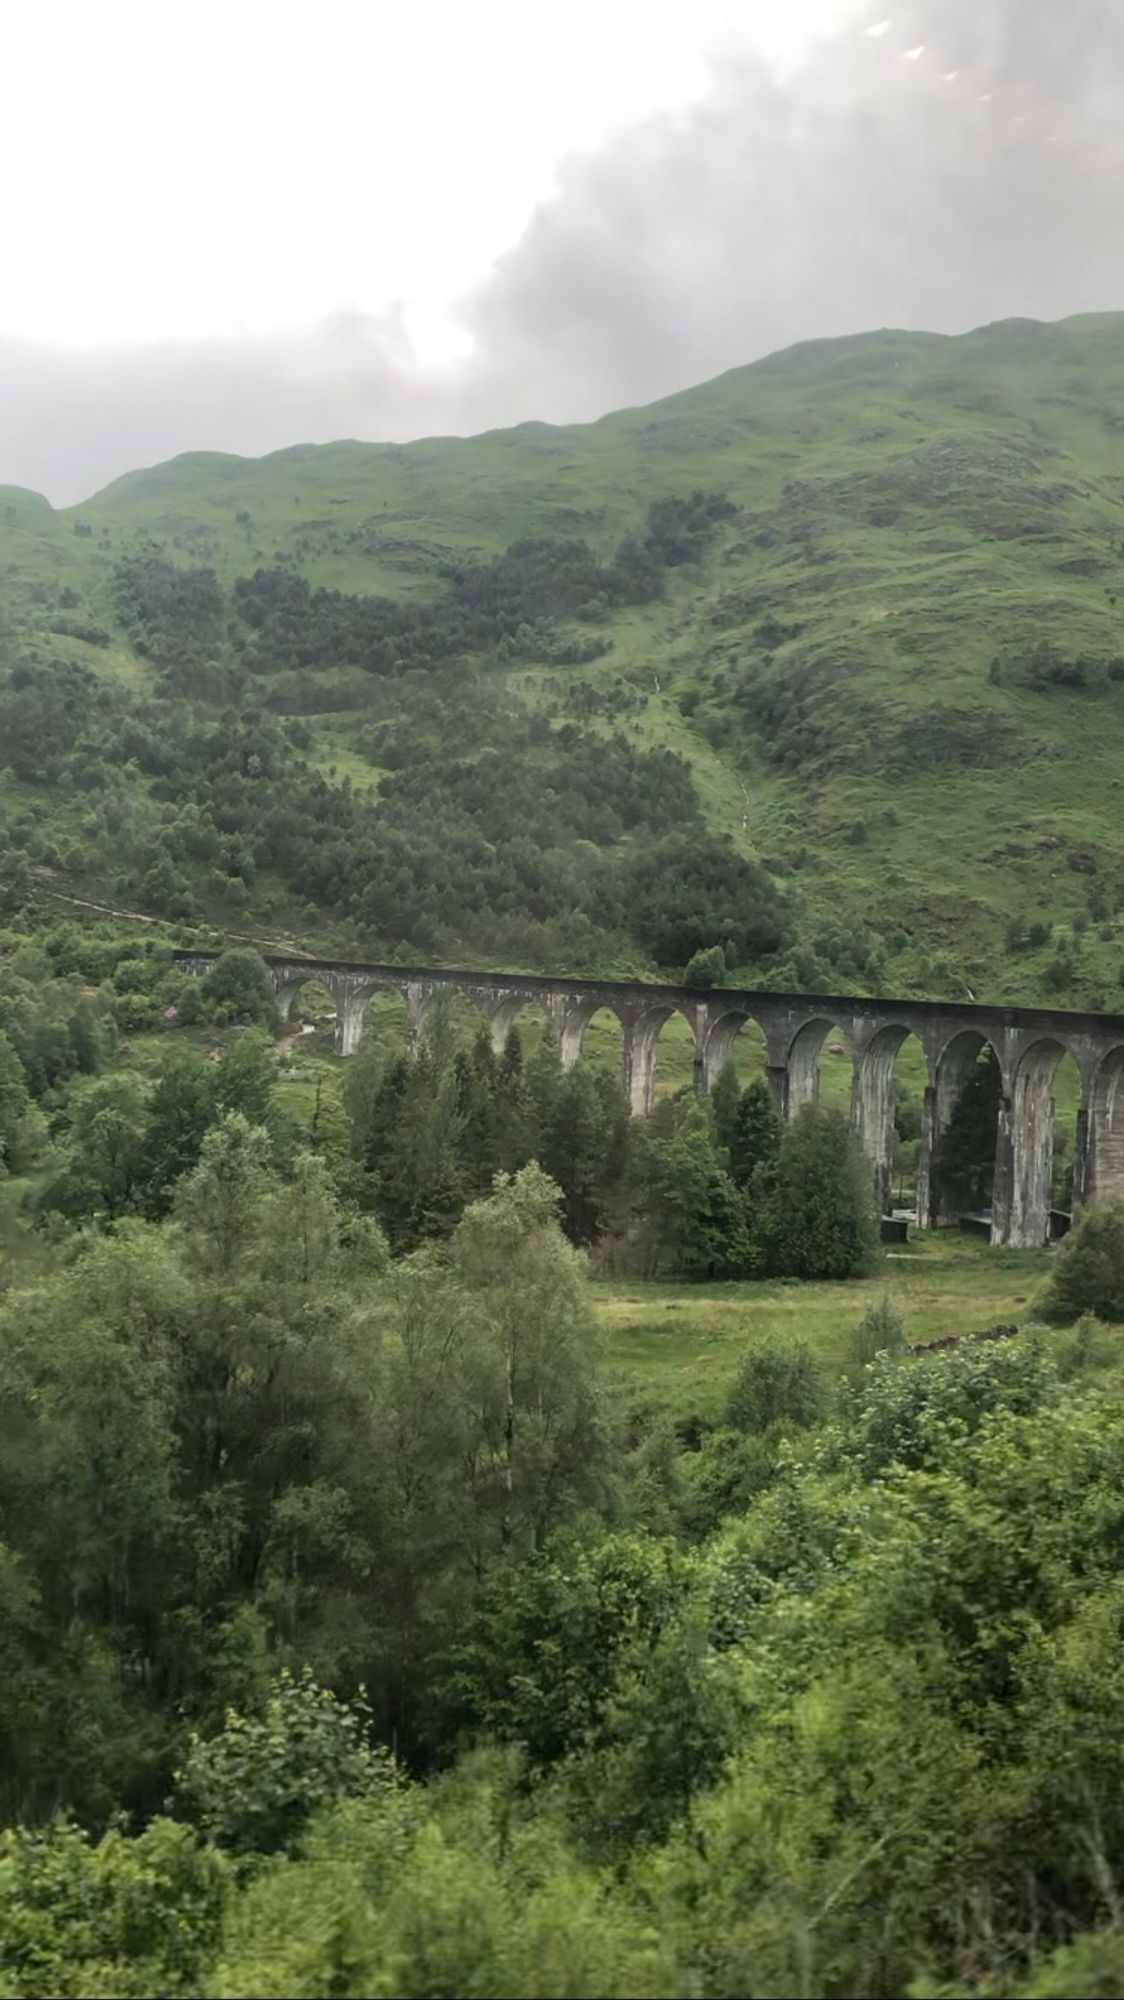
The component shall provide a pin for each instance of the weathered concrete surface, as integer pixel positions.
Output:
(1028, 1042)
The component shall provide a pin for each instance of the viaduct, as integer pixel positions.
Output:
(1028, 1042)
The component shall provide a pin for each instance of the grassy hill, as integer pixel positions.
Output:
(889, 669)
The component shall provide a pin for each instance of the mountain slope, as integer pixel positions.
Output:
(889, 666)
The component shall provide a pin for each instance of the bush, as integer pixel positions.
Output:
(1088, 1274)
(706, 968)
(239, 988)
(777, 1383)
(881, 1330)
(253, 1788)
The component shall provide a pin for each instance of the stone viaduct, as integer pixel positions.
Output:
(1029, 1043)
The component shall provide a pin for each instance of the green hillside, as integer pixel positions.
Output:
(822, 662)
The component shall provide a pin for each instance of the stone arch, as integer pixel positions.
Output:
(952, 1065)
(382, 1015)
(806, 1048)
(721, 1041)
(1101, 1172)
(1031, 1141)
(505, 1015)
(873, 1103)
(641, 1043)
(576, 1019)
(603, 1041)
(290, 989)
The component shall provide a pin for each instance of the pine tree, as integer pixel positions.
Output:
(725, 1101)
(700, 1213)
(757, 1136)
(514, 1135)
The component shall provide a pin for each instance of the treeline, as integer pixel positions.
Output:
(701, 1189)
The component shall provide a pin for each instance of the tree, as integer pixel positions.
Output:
(253, 1788)
(515, 1142)
(103, 1173)
(182, 1107)
(239, 987)
(756, 1138)
(725, 1099)
(706, 968)
(819, 1219)
(530, 1358)
(220, 1201)
(120, 1915)
(694, 1206)
(576, 1146)
(245, 1076)
(1088, 1268)
(15, 1103)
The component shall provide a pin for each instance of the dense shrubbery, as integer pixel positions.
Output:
(822, 1696)
(1088, 1275)
(829, 1703)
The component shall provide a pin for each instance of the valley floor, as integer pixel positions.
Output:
(679, 1345)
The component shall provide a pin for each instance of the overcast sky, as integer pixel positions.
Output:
(247, 223)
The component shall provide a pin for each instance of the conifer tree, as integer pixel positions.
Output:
(756, 1136)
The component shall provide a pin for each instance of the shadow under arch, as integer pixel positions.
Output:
(531, 1019)
(306, 1006)
(599, 1042)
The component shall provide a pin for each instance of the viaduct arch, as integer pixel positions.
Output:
(1028, 1044)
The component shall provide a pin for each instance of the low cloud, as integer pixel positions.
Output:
(980, 177)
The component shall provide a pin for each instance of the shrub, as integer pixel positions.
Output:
(777, 1383)
(706, 968)
(1088, 1274)
(881, 1330)
(239, 988)
(253, 1788)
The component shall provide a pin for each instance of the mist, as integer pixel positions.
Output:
(959, 164)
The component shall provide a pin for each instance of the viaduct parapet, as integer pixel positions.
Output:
(1028, 1043)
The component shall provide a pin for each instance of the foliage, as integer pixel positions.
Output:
(818, 1220)
(119, 1916)
(252, 1788)
(238, 988)
(1087, 1275)
(706, 968)
(776, 1385)
(881, 1330)
(694, 1210)
(755, 1140)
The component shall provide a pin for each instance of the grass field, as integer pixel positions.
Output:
(677, 1347)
